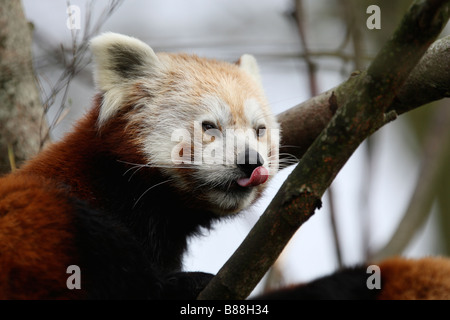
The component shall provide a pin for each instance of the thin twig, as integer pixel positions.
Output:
(314, 91)
(80, 58)
(311, 66)
(12, 159)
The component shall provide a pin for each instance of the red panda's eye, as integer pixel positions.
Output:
(261, 131)
(206, 125)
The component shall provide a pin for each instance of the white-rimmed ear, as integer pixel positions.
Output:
(119, 60)
(248, 63)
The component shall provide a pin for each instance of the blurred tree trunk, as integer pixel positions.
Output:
(22, 118)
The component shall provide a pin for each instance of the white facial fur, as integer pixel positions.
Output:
(172, 96)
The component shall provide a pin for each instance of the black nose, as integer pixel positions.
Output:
(249, 160)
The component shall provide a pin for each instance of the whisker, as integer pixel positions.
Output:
(288, 157)
(285, 165)
(289, 146)
(132, 168)
(131, 163)
(135, 171)
(159, 165)
(291, 159)
(154, 186)
(230, 183)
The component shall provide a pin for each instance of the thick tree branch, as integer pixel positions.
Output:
(361, 113)
(429, 81)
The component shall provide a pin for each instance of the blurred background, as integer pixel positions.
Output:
(303, 47)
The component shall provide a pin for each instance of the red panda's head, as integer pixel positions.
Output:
(205, 124)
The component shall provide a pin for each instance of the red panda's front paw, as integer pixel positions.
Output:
(185, 285)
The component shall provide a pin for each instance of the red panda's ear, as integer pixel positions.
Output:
(248, 63)
(120, 61)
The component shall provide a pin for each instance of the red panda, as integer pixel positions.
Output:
(397, 279)
(172, 143)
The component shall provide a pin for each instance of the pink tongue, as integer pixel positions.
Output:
(259, 176)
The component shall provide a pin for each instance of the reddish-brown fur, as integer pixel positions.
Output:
(36, 215)
(73, 159)
(426, 278)
(36, 244)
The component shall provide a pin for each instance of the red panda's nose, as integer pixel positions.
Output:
(248, 161)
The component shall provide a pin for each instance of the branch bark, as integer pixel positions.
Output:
(21, 113)
(428, 82)
(364, 101)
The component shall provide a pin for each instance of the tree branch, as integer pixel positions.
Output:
(428, 82)
(364, 102)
